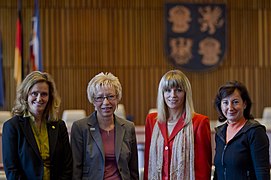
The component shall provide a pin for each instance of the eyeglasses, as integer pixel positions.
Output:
(102, 98)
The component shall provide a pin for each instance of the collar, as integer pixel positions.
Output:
(29, 115)
(251, 123)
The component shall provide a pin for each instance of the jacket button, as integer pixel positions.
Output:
(166, 148)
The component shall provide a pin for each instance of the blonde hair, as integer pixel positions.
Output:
(103, 80)
(21, 103)
(174, 78)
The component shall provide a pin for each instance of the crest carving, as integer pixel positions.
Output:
(195, 35)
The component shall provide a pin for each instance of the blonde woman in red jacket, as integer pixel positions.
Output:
(177, 140)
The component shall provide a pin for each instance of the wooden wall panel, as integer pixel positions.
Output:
(81, 38)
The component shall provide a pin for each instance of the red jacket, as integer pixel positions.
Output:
(202, 145)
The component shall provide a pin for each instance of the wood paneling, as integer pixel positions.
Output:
(81, 38)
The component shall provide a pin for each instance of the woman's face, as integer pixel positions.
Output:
(38, 98)
(105, 102)
(233, 107)
(174, 98)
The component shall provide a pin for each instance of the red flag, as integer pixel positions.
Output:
(18, 59)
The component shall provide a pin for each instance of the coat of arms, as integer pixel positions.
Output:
(195, 35)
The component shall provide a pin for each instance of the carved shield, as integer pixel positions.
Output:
(195, 35)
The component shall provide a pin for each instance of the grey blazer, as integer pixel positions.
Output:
(88, 153)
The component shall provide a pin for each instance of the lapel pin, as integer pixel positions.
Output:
(92, 129)
(53, 127)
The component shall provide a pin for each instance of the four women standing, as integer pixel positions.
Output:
(177, 139)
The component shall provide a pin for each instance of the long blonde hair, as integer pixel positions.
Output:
(174, 78)
(21, 104)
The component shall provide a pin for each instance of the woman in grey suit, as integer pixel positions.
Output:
(35, 142)
(104, 146)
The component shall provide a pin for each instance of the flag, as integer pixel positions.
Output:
(35, 47)
(18, 59)
(2, 100)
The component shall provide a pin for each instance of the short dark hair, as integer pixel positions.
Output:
(226, 90)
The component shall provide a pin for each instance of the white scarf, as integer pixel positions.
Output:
(182, 158)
